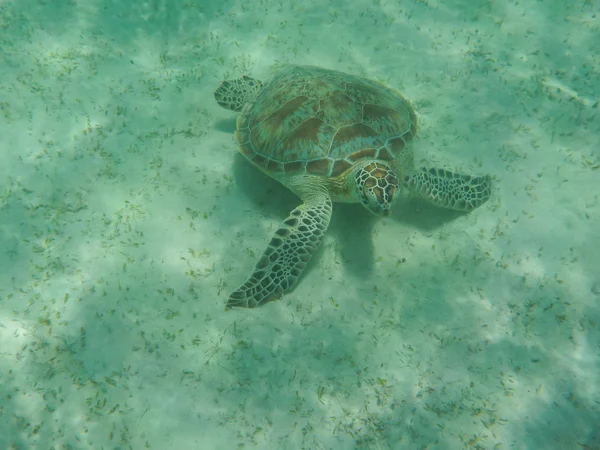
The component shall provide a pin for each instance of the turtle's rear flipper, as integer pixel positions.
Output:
(234, 94)
(457, 191)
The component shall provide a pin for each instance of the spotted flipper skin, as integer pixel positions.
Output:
(451, 190)
(234, 94)
(286, 256)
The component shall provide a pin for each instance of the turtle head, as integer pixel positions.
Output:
(376, 186)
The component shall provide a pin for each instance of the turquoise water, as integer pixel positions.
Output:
(127, 218)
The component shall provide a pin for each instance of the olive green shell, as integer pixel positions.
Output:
(317, 121)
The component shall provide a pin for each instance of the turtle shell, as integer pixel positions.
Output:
(320, 122)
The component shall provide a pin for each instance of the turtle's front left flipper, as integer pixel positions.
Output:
(457, 191)
(287, 254)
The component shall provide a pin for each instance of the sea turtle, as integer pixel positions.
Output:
(330, 137)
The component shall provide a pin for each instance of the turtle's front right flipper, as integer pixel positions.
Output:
(287, 254)
(457, 191)
(234, 94)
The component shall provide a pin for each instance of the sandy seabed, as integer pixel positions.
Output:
(126, 218)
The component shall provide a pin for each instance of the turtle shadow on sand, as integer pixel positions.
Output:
(351, 225)
(422, 215)
(227, 126)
